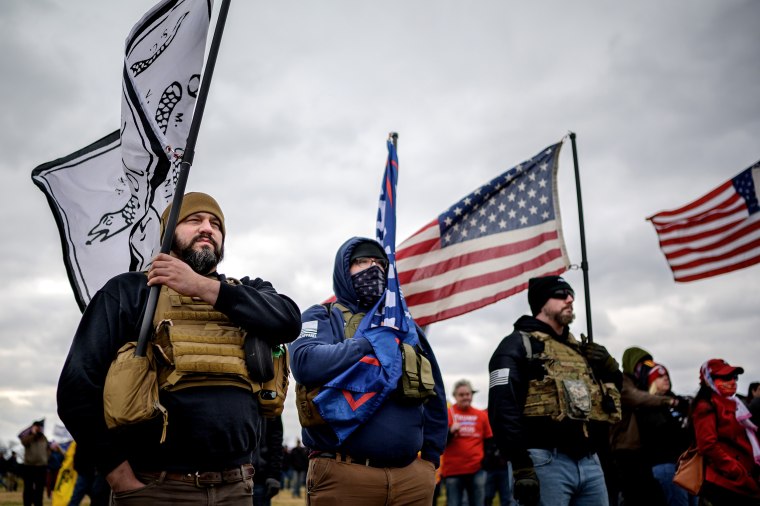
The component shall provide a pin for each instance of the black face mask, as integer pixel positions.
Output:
(369, 286)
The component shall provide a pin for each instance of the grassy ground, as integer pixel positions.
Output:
(284, 498)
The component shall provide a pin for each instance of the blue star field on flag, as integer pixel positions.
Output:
(519, 198)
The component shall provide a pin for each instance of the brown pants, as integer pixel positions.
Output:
(333, 483)
(158, 492)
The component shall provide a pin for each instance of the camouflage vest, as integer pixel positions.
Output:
(568, 390)
(199, 345)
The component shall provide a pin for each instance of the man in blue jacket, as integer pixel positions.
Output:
(369, 432)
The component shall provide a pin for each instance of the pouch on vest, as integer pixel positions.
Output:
(130, 393)
(417, 381)
(577, 398)
(308, 416)
(258, 359)
(272, 395)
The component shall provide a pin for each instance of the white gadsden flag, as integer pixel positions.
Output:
(107, 198)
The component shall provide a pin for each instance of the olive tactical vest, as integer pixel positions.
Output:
(568, 390)
(417, 382)
(199, 345)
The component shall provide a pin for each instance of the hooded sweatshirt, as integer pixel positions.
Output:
(398, 430)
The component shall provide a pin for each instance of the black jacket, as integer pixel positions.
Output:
(506, 400)
(210, 428)
(267, 459)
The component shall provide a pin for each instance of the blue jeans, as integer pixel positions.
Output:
(473, 484)
(674, 495)
(565, 481)
(299, 478)
(260, 495)
(499, 480)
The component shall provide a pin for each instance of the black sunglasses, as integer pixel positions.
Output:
(562, 294)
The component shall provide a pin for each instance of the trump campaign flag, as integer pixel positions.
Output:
(487, 245)
(395, 311)
(107, 198)
(353, 396)
(717, 233)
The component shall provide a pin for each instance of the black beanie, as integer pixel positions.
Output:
(367, 249)
(541, 289)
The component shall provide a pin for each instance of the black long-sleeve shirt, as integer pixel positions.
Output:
(210, 428)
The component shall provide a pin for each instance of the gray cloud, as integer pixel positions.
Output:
(662, 97)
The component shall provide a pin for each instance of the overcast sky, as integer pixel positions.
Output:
(662, 96)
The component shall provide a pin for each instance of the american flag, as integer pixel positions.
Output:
(487, 245)
(717, 233)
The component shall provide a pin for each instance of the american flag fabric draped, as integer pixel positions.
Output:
(715, 234)
(487, 245)
(107, 197)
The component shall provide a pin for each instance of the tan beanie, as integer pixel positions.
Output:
(195, 202)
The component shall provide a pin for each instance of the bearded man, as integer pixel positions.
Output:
(548, 397)
(200, 450)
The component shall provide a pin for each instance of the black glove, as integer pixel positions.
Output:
(273, 487)
(526, 490)
(599, 358)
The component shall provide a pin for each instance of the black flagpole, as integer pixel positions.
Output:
(584, 260)
(184, 170)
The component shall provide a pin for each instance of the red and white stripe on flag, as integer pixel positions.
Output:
(487, 245)
(715, 234)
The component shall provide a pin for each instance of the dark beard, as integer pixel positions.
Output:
(564, 320)
(203, 261)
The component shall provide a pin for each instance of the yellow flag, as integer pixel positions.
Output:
(67, 477)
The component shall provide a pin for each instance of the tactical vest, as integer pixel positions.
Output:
(199, 345)
(569, 389)
(417, 382)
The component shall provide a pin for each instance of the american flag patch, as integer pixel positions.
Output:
(498, 377)
(309, 329)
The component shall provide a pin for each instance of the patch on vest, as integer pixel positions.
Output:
(498, 377)
(309, 329)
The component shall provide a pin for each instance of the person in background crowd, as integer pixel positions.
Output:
(299, 462)
(383, 446)
(3, 469)
(498, 476)
(726, 438)
(465, 448)
(267, 460)
(545, 404)
(664, 435)
(36, 452)
(55, 460)
(287, 468)
(753, 401)
(13, 470)
(632, 472)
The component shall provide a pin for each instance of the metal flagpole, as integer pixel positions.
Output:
(584, 260)
(184, 170)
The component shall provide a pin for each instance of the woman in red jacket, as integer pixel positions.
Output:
(726, 438)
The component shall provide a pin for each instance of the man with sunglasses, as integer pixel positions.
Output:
(550, 398)
(377, 462)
